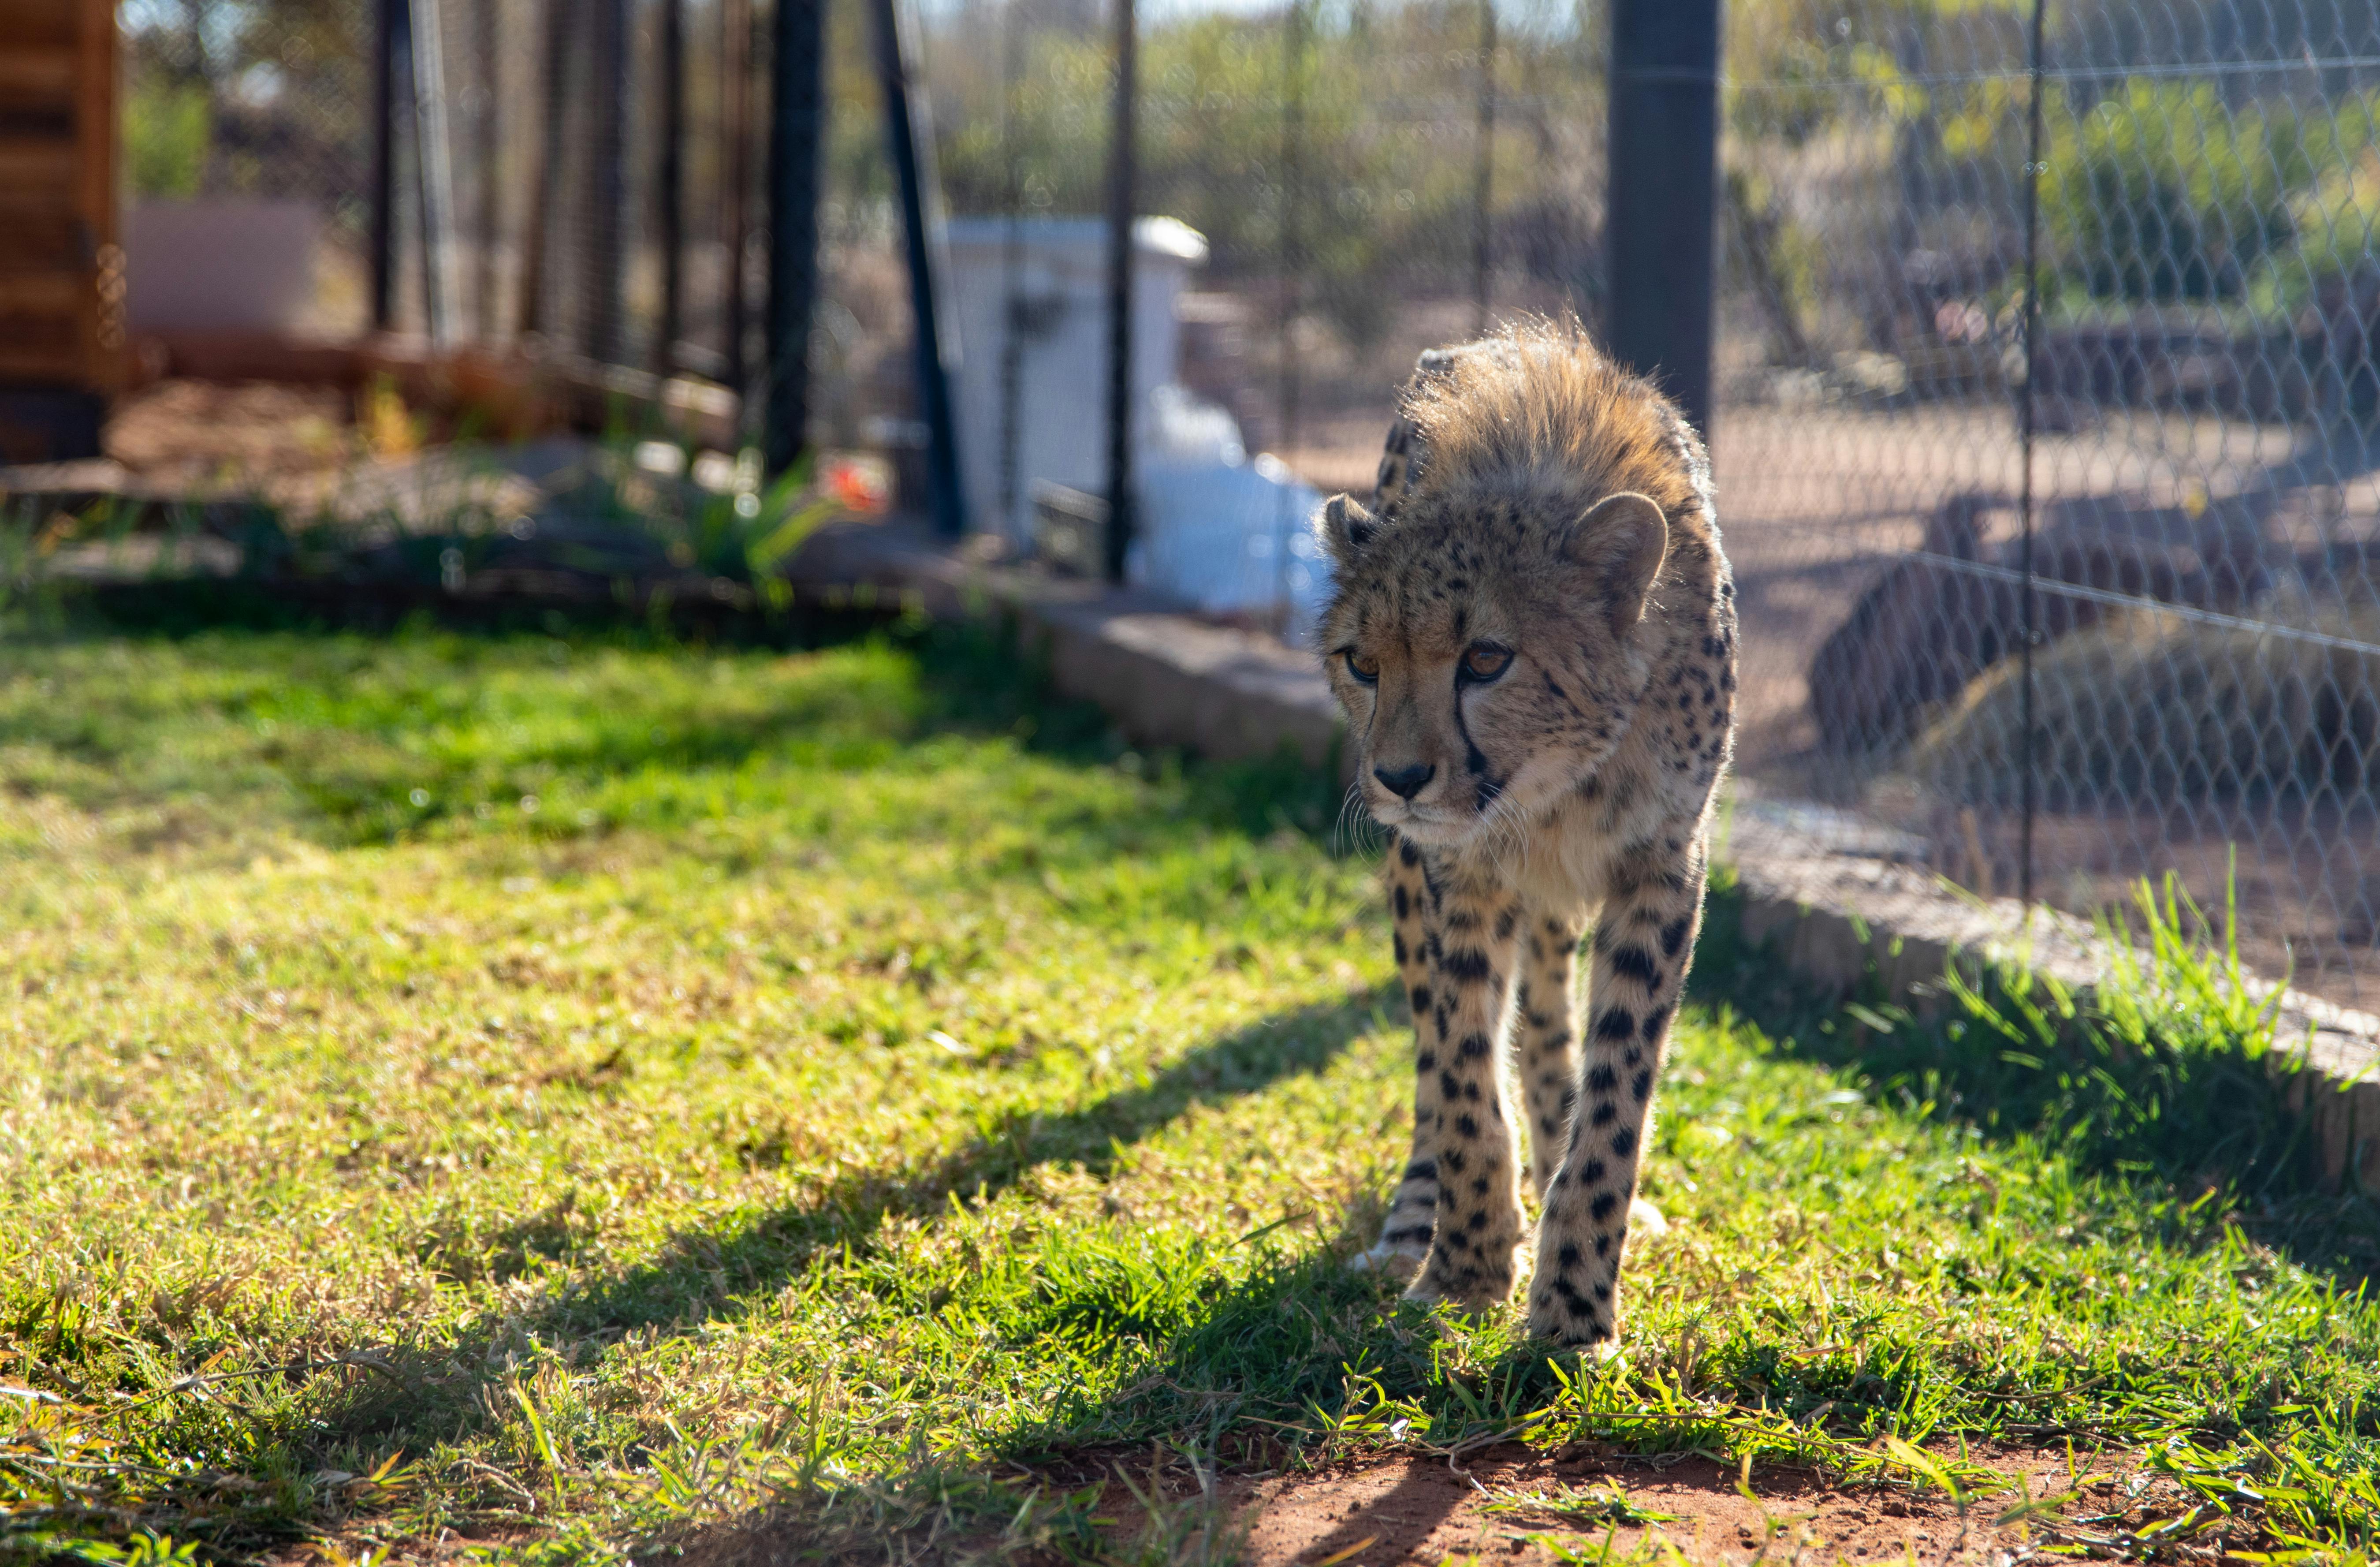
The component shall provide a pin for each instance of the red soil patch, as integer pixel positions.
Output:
(1425, 1510)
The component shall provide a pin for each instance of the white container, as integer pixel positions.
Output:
(1061, 343)
(1232, 538)
(219, 265)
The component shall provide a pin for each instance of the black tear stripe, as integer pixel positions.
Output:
(1488, 785)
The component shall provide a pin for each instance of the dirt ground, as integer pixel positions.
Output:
(198, 438)
(1513, 1504)
(1426, 1509)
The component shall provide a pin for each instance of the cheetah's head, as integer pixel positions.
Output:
(1489, 659)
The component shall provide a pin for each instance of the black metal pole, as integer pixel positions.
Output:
(671, 180)
(1122, 181)
(489, 127)
(796, 121)
(735, 171)
(910, 134)
(1663, 168)
(389, 17)
(608, 192)
(1484, 186)
(1012, 275)
(545, 167)
(1292, 278)
(2033, 172)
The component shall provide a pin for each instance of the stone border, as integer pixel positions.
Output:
(1842, 920)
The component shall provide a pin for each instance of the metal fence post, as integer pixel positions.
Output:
(670, 180)
(388, 17)
(545, 168)
(1012, 273)
(2025, 422)
(434, 166)
(1121, 180)
(735, 152)
(910, 134)
(1663, 167)
(1292, 278)
(1484, 178)
(489, 125)
(796, 120)
(608, 193)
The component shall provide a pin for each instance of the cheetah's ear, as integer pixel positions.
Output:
(1620, 542)
(1346, 528)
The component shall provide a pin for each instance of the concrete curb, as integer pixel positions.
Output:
(1844, 921)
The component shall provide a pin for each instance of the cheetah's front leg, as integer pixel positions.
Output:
(1545, 1028)
(1643, 939)
(1473, 1151)
(1412, 1212)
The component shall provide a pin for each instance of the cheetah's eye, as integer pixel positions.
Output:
(1483, 662)
(1363, 667)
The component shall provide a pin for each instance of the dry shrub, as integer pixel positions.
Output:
(2148, 706)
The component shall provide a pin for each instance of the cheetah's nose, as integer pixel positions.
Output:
(1406, 782)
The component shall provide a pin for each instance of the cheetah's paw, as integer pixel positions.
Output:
(1400, 1263)
(1549, 1321)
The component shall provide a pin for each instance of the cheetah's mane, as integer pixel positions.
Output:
(1547, 415)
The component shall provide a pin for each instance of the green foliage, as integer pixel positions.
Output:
(1377, 185)
(168, 128)
(2162, 191)
(2336, 215)
(190, 129)
(2170, 1070)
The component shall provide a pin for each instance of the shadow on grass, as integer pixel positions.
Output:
(1298, 1342)
(2181, 1111)
(699, 1272)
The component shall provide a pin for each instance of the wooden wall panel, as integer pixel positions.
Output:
(61, 270)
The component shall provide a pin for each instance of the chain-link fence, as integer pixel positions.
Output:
(238, 108)
(2046, 444)
(2045, 364)
(1346, 183)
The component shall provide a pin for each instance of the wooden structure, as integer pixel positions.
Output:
(61, 268)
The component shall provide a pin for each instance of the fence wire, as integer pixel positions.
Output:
(2047, 380)
(1353, 183)
(2139, 425)
(260, 100)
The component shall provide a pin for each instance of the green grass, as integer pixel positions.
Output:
(549, 1096)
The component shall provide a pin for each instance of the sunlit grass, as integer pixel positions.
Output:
(540, 1094)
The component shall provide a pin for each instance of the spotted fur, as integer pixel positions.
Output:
(1534, 638)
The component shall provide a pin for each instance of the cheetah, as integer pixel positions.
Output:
(1533, 634)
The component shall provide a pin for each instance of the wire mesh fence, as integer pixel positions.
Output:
(1346, 183)
(2047, 379)
(234, 105)
(2045, 446)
